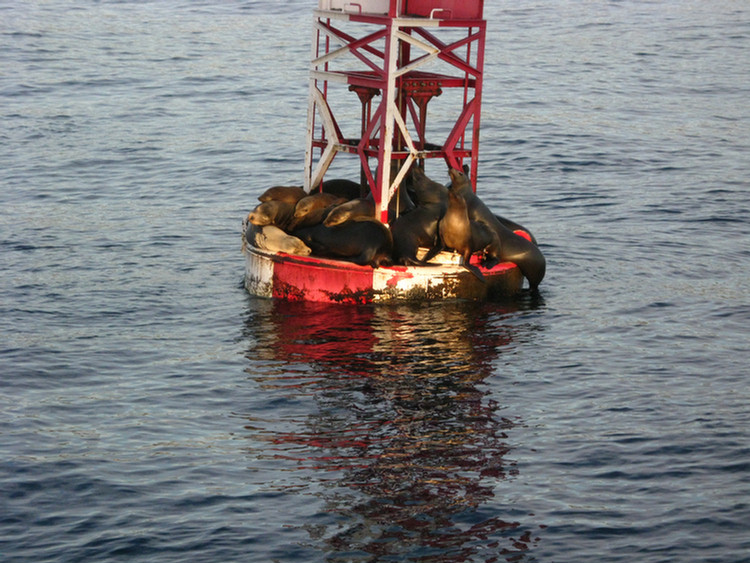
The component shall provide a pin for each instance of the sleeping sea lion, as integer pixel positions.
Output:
(273, 239)
(273, 212)
(309, 210)
(350, 210)
(364, 241)
(290, 194)
(313, 217)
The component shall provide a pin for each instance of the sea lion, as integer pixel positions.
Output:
(513, 248)
(273, 212)
(424, 190)
(512, 225)
(317, 200)
(309, 210)
(364, 241)
(455, 231)
(308, 219)
(419, 227)
(350, 210)
(273, 239)
(343, 188)
(400, 203)
(413, 230)
(484, 239)
(290, 194)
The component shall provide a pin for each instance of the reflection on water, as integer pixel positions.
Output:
(383, 414)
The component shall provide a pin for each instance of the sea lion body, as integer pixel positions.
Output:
(513, 248)
(424, 190)
(363, 241)
(309, 209)
(342, 188)
(361, 207)
(317, 200)
(273, 239)
(413, 230)
(309, 218)
(419, 227)
(289, 194)
(484, 239)
(455, 231)
(513, 226)
(400, 203)
(273, 212)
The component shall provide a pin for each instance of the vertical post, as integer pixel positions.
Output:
(478, 97)
(315, 48)
(385, 150)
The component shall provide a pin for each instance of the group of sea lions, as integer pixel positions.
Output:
(336, 222)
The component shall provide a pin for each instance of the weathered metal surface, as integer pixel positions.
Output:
(451, 9)
(309, 278)
(258, 272)
(455, 9)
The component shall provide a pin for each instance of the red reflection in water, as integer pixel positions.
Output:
(409, 444)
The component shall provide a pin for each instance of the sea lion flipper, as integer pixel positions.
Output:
(434, 251)
(476, 271)
(490, 263)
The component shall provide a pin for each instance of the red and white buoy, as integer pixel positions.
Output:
(396, 56)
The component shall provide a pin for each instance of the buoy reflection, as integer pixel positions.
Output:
(405, 439)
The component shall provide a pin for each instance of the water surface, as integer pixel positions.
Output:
(153, 411)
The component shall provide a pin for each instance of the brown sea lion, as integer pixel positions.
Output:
(290, 194)
(350, 210)
(273, 212)
(456, 231)
(309, 210)
(273, 239)
(513, 248)
(484, 239)
(364, 241)
(313, 217)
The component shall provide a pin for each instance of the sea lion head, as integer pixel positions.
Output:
(261, 215)
(458, 178)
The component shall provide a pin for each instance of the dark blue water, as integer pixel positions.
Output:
(152, 411)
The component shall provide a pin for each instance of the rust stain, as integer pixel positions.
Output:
(288, 292)
(348, 296)
(397, 277)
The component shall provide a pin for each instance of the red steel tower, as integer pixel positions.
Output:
(397, 56)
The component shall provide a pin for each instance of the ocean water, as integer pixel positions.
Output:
(153, 411)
